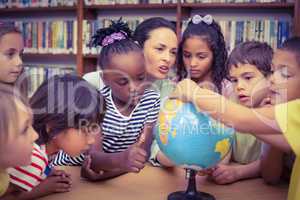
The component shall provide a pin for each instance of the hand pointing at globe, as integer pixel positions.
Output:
(185, 91)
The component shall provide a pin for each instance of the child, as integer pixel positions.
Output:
(16, 133)
(202, 53)
(131, 109)
(65, 110)
(11, 50)
(201, 56)
(248, 65)
(277, 163)
(282, 118)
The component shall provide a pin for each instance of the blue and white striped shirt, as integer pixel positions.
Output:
(119, 131)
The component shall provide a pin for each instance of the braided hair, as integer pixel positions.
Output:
(212, 34)
(115, 39)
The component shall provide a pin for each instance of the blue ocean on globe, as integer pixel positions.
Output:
(190, 138)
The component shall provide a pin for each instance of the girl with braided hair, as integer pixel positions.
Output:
(131, 111)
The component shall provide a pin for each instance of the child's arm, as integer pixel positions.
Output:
(255, 121)
(60, 182)
(271, 164)
(100, 165)
(87, 172)
(225, 174)
(277, 141)
(164, 160)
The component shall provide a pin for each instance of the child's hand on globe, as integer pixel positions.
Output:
(185, 91)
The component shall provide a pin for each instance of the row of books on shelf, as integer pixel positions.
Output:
(274, 32)
(36, 74)
(91, 26)
(237, 1)
(36, 3)
(113, 2)
(49, 36)
(59, 3)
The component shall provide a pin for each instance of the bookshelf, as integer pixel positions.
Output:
(181, 11)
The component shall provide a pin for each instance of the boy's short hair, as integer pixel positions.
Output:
(252, 52)
(292, 45)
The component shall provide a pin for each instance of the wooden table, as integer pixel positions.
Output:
(155, 184)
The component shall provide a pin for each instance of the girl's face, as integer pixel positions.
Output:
(11, 50)
(160, 52)
(285, 80)
(18, 148)
(126, 75)
(73, 141)
(197, 59)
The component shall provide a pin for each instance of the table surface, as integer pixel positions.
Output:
(154, 183)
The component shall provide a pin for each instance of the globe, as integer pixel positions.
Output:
(191, 139)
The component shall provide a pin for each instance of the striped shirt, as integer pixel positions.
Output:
(63, 159)
(119, 131)
(28, 177)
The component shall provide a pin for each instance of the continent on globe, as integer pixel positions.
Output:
(223, 147)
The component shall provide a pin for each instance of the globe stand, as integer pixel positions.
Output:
(191, 192)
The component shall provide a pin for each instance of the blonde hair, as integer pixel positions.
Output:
(8, 109)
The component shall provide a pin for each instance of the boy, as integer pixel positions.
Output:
(248, 67)
(280, 119)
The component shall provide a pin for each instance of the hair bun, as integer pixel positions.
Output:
(118, 30)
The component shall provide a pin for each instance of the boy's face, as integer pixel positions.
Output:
(249, 84)
(285, 80)
(75, 141)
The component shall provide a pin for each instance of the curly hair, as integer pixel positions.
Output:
(212, 34)
(122, 45)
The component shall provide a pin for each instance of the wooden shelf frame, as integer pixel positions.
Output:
(85, 62)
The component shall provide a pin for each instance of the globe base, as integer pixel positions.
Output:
(195, 196)
(191, 192)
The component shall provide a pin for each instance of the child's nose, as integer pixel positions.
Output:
(90, 139)
(34, 135)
